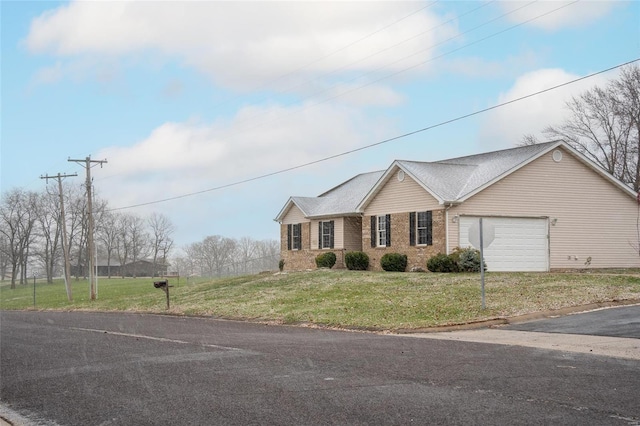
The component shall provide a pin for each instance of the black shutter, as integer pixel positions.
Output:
(298, 242)
(374, 231)
(289, 237)
(388, 229)
(320, 234)
(412, 228)
(429, 228)
(332, 238)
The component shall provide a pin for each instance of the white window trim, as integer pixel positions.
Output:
(381, 234)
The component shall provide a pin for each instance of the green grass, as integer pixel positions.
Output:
(369, 300)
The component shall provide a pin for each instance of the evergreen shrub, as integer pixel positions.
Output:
(356, 261)
(394, 262)
(326, 260)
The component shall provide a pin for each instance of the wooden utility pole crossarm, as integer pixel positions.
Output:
(88, 164)
(63, 225)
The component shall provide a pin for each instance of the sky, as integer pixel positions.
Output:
(207, 104)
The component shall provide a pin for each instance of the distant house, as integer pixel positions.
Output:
(140, 268)
(544, 207)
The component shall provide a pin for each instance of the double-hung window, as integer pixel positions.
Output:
(325, 234)
(421, 228)
(381, 230)
(294, 236)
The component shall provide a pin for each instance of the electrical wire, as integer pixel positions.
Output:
(385, 141)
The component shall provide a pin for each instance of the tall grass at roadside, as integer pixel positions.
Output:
(360, 299)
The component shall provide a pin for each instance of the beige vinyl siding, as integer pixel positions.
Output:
(401, 196)
(294, 215)
(595, 219)
(352, 233)
(338, 233)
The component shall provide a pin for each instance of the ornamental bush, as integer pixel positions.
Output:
(356, 261)
(326, 260)
(442, 263)
(460, 260)
(394, 262)
(468, 259)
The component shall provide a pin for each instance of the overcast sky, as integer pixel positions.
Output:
(186, 97)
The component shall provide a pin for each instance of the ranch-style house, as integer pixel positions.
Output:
(544, 207)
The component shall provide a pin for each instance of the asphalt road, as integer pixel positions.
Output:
(129, 369)
(612, 322)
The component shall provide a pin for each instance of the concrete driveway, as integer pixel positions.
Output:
(613, 332)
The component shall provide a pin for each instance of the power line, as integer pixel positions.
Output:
(393, 74)
(250, 126)
(381, 68)
(273, 81)
(395, 138)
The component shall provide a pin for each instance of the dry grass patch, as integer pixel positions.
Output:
(357, 299)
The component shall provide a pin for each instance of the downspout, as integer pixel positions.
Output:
(446, 226)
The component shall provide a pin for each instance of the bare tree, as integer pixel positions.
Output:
(627, 90)
(107, 235)
(123, 241)
(245, 255)
(268, 253)
(604, 125)
(4, 254)
(78, 225)
(216, 255)
(17, 218)
(48, 219)
(161, 231)
(139, 239)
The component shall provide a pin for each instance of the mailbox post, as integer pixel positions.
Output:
(164, 285)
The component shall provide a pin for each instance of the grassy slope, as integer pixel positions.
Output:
(343, 298)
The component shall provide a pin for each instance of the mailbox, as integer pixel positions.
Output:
(164, 286)
(160, 284)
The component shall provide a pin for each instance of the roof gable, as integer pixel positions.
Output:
(449, 181)
(453, 180)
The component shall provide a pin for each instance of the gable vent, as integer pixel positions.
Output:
(557, 155)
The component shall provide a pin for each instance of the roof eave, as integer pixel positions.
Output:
(290, 202)
(383, 179)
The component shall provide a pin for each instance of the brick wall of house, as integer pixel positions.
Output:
(417, 255)
(300, 260)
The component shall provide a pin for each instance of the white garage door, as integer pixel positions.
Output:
(510, 244)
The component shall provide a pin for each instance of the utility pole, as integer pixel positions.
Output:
(63, 225)
(88, 163)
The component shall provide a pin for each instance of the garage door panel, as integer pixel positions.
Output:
(511, 244)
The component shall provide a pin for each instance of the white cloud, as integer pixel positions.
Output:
(244, 44)
(505, 126)
(557, 14)
(181, 158)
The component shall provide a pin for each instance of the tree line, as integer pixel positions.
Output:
(31, 242)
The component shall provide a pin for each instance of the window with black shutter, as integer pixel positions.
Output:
(421, 228)
(381, 231)
(295, 236)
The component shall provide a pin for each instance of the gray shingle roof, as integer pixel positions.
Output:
(451, 180)
(455, 178)
(341, 200)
